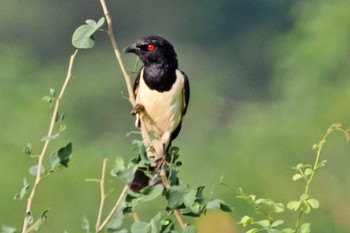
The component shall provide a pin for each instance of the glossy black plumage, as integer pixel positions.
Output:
(162, 90)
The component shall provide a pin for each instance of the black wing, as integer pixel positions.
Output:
(186, 94)
(137, 81)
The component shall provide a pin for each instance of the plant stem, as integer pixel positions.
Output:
(146, 138)
(47, 141)
(117, 204)
(103, 194)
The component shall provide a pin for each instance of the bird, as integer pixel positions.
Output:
(162, 92)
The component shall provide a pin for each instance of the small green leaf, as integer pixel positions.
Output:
(33, 170)
(305, 228)
(277, 223)
(52, 92)
(246, 221)
(83, 35)
(308, 171)
(263, 223)
(175, 196)
(297, 177)
(64, 154)
(253, 230)
(151, 192)
(27, 149)
(30, 218)
(140, 227)
(23, 191)
(190, 229)
(190, 197)
(8, 229)
(219, 204)
(54, 161)
(114, 224)
(313, 203)
(85, 225)
(50, 138)
(294, 205)
(287, 230)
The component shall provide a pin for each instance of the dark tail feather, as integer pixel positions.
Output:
(139, 182)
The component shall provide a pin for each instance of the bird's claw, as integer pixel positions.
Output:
(137, 109)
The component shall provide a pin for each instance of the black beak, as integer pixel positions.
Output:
(131, 49)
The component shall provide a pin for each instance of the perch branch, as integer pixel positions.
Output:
(47, 141)
(146, 138)
(103, 194)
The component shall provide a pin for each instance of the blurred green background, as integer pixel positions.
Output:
(267, 79)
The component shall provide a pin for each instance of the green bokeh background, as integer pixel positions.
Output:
(267, 79)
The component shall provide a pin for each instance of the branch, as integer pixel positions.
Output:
(110, 215)
(103, 194)
(146, 138)
(47, 141)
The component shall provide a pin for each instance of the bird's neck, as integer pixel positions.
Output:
(160, 76)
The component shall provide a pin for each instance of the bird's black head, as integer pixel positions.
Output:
(154, 50)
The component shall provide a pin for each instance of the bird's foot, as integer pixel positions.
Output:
(137, 109)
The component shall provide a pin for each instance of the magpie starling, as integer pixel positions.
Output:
(162, 91)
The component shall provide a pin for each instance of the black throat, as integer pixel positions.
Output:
(160, 76)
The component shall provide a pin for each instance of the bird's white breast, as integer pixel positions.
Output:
(163, 110)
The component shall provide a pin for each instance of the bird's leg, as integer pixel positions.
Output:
(137, 109)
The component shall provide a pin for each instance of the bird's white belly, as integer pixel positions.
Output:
(163, 110)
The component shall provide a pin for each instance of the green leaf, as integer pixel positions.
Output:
(54, 161)
(83, 35)
(294, 205)
(246, 221)
(8, 229)
(23, 191)
(64, 154)
(288, 230)
(85, 225)
(277, 223)
(254, 230)
(140, 227)
(114, 224)
(308, 171)
(263, 223)
(33, 170)
(190, 197)
(297, 177)
(190, 229)
(52, 92)
(314, 203)
(151, 192)
(27, 149)
(175, 196)
(305, 228)
(50, 138)
(219, 204)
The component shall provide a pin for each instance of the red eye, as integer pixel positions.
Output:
(150, 47)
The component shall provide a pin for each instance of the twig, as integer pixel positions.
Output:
(179, 218)
(146, 138)
(47, 141)
(103, 194)
(110, 215)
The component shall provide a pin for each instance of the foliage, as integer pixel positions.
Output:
(267, 208)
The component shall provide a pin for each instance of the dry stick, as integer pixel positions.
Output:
(146, 138)
(103, 194)
(145, 135)
(47, 141)
(110, 215)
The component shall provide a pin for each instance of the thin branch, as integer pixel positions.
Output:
(146, 138)
(179, 218)
(47, 141)
(103, 194)
(110, 215)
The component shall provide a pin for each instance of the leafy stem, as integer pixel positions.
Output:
(47, 142)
